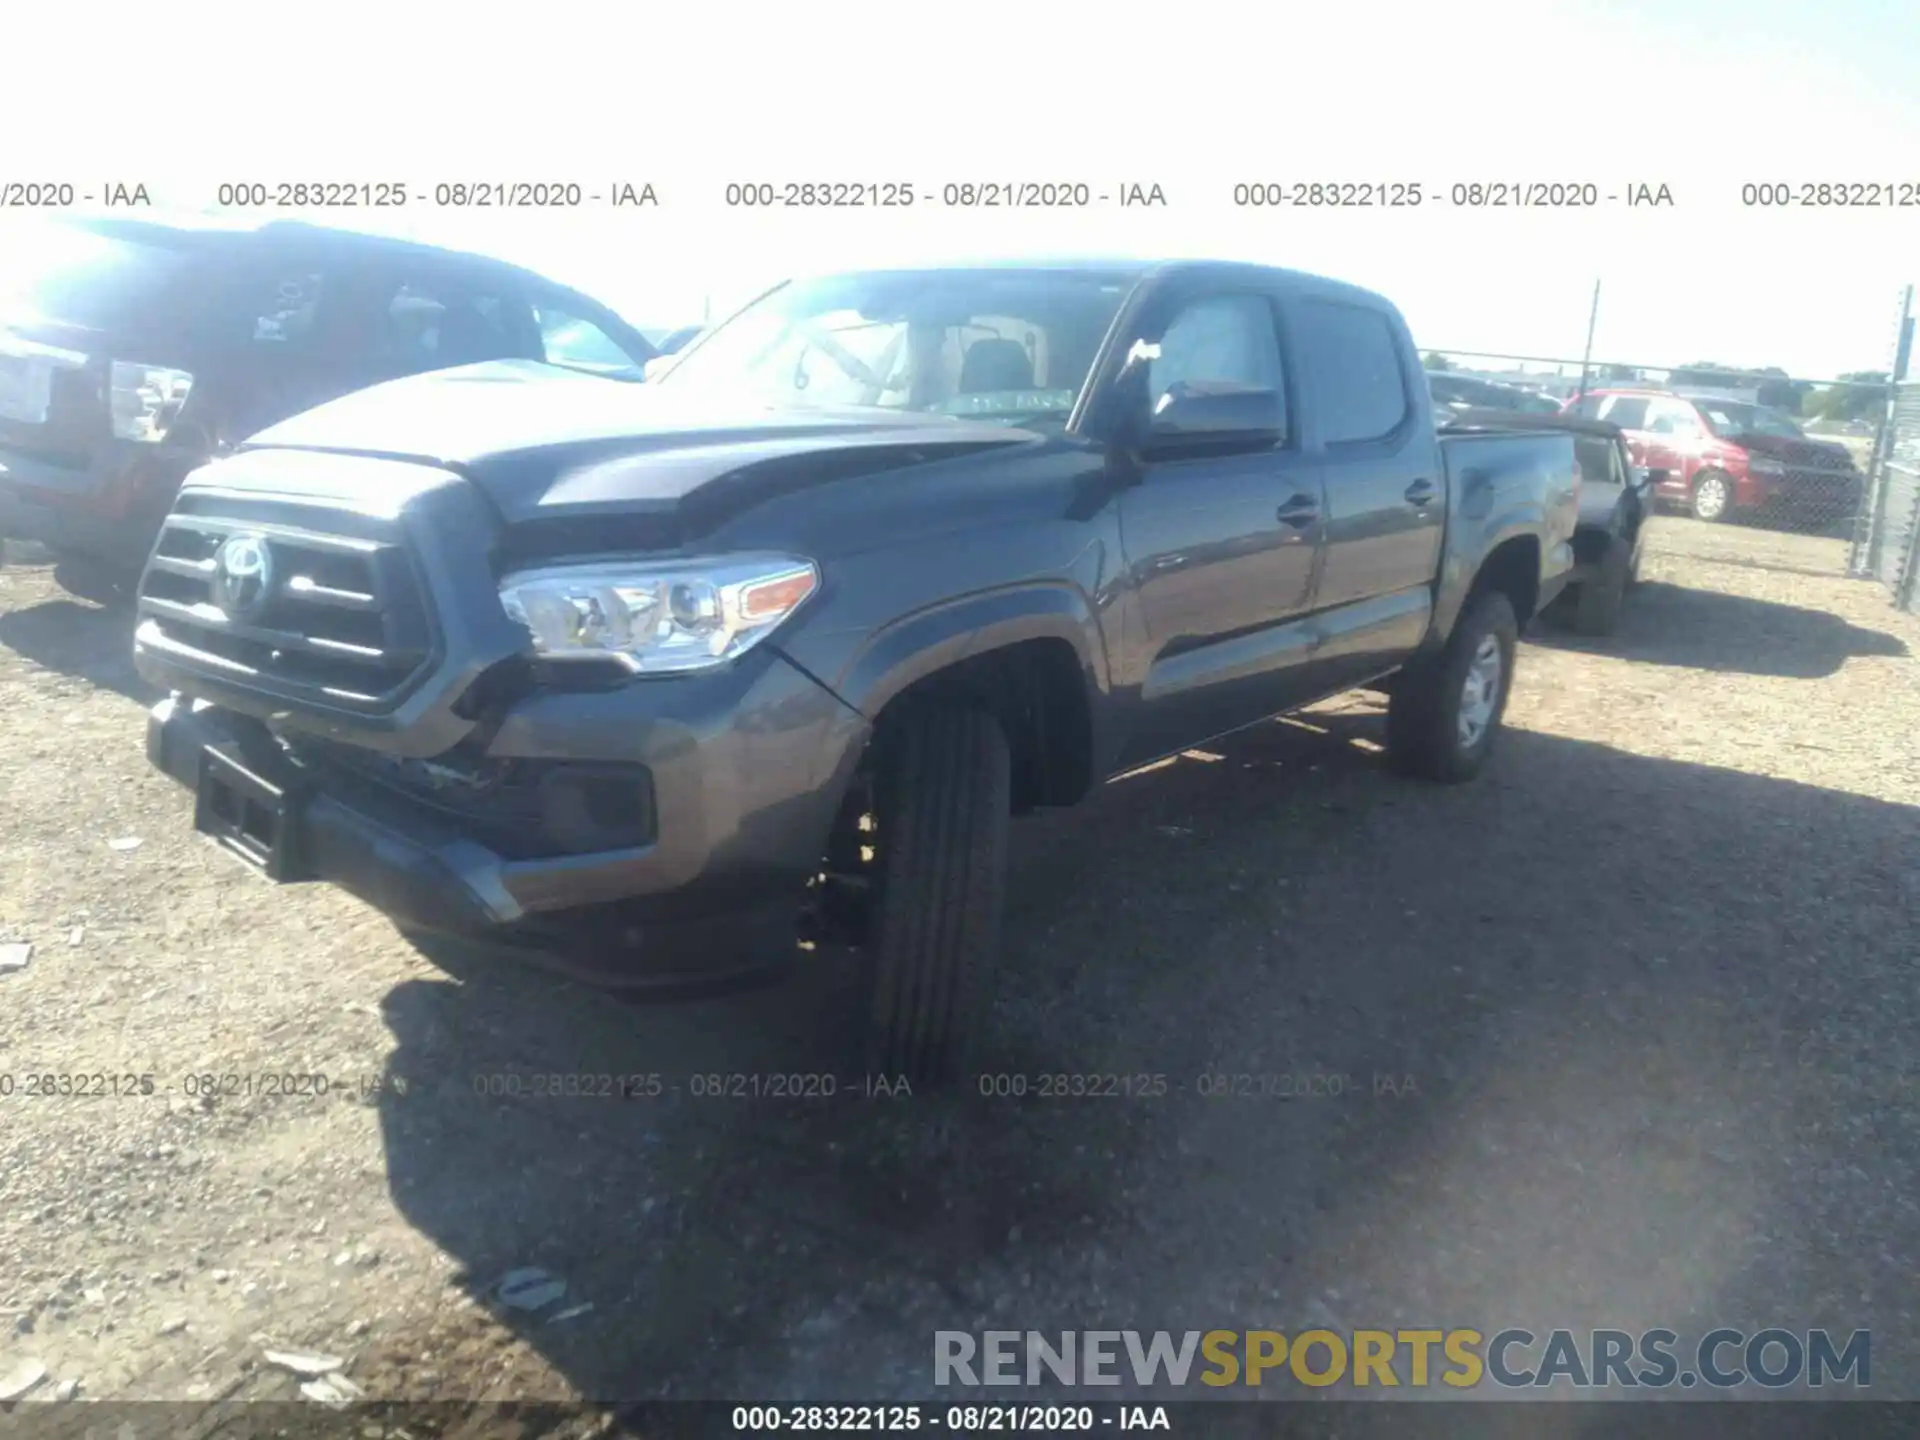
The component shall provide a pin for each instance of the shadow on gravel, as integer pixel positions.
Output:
(1501, 1053)
(1710, 630)
(84, 641)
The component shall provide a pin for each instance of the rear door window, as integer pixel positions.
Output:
(1354, 354)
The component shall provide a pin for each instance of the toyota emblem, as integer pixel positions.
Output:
(243, 574)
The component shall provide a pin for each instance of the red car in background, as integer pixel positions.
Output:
(1726, 458)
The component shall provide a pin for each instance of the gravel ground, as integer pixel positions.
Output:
(1646, 994)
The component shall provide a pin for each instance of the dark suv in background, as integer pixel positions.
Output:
(131, 352)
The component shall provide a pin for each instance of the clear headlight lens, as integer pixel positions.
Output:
(145, 398)
(659, 618)
(1760, 466)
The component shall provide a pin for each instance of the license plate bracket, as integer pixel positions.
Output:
(247, 814)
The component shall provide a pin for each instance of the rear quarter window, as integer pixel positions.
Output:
(1353, 353)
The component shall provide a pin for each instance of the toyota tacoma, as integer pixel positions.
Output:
(655, 681)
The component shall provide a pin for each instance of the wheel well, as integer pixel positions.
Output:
(1590, 545)
(1037, 690)
(1512, 569)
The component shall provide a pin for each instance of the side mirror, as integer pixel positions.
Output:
(1188, 417)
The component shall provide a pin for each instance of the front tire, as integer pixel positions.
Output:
(1448, 706)
(944, 798)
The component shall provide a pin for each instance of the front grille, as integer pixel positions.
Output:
(335, 619)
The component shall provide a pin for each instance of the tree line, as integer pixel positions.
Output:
(1855, 395)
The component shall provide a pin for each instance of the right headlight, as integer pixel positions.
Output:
(658, 617)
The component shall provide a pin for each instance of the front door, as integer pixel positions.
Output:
(1219, 547)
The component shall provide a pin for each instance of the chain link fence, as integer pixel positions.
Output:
(1887, 542)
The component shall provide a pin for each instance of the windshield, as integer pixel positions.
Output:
(78, 276)
(1726, 417)
(1013, 345)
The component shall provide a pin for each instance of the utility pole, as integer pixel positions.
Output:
(1870, 525)
(1586, 359)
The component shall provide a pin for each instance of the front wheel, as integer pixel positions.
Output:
(1448, 706)
(942, 807)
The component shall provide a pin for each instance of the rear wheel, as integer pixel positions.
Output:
(942, 804)
(1447, 707)
(1712, 496)
(1593, 607)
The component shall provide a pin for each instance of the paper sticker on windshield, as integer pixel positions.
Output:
(1010, 402)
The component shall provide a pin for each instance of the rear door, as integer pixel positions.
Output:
(1220, 547)
(1386, 500)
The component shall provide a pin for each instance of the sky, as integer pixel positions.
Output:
(1703, 96)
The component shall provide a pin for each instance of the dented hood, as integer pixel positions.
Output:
(545, 442)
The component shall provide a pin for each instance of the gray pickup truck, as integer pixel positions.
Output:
(653, 680)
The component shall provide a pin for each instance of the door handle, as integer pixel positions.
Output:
(1299, 512)
(1421, 492)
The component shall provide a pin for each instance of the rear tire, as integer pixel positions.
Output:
(1712, 499)
(1447, 707)
(1593, 607)
(944, 798)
